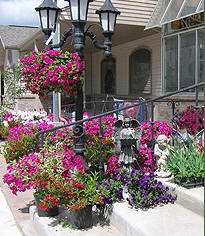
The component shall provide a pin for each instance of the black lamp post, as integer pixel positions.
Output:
(78, 11)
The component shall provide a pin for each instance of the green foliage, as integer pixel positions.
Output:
(186, 161)
(13, 87)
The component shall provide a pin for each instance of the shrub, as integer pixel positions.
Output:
(21, 140)
(8, 123)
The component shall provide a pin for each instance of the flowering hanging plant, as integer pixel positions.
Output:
(52, 70)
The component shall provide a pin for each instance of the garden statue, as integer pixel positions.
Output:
(127, 136)
(162, 152)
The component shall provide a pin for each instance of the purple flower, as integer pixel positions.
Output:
(144, 204)
(160, 184)
(167, 188)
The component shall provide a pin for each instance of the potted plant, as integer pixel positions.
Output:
(52, 70)
(77, 194)
(38, 170)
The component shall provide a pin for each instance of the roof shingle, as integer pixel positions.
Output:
(13, 35)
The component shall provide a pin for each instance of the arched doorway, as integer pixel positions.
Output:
(108, 76)
(140, 72)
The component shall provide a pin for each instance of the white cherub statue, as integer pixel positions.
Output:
(162, 152)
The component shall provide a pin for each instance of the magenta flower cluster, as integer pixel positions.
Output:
(28, 172)
(21, 139)
(52, 70)
(186, 119)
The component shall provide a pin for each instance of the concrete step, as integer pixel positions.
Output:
(192, 199)
(167, 220)
(184, 217)
(49, 226)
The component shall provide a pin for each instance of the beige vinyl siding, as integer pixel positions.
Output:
(132, 12)
(121, 53)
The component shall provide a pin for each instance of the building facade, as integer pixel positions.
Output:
(144, 63)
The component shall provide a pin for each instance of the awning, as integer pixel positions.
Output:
(170, 10)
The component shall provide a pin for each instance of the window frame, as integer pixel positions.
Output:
(197, 58)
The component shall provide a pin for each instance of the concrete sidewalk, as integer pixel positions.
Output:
(15, 209)
(8, 225)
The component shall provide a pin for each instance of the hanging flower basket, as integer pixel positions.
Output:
(52, 70)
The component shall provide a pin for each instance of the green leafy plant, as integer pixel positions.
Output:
(38, 170)
(186, 161)
(4, 129)
(75, 192)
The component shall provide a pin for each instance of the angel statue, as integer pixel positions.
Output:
(127, 136)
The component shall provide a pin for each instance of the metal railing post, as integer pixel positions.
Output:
(153, 141)
(197, 107)
(100, 157)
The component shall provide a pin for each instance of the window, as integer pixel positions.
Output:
(108, 74)
(183, 59)
(140, 72)
(201, 55)
(187, 59)
(171, 64)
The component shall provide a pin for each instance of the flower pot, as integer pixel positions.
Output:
(82, 218)
(54, 211)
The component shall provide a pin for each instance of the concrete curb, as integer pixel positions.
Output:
(49, 226)
(185, 217)
(192, 199)
(167, 220)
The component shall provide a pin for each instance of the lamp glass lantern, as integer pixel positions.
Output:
(79, 9)
(48, 12)
(108, 14)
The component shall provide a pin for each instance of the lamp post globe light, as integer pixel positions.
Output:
(48, 12)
